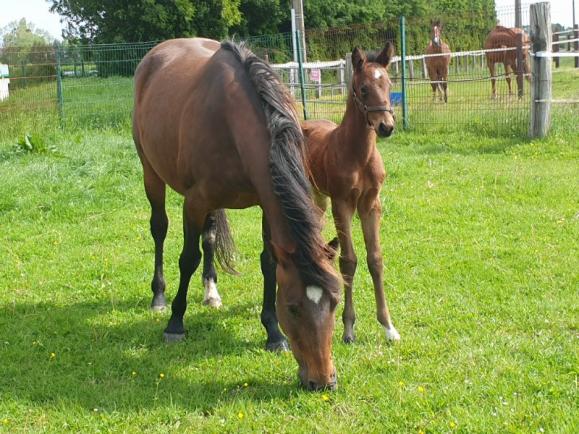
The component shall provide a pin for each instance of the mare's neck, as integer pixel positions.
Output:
(355, 140)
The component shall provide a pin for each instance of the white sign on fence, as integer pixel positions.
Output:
(4, 82)
(316, 75)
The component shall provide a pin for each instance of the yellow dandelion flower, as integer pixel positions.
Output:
(421, 389)
(134, 374)
(420, 432)
(5, 421)
(240, 415)
(325, 397)
(245, 384)
(401, 383)
(452, 424)
(161, 375)
(52, 355)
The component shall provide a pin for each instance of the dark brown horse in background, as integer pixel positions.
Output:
(214, 123)
(437, 65)
(346, 167)
(504, 38)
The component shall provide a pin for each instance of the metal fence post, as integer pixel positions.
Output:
(59, 98)
(403, 70)
(301, 74)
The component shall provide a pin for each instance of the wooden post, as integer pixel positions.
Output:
(424, 71)
(349, 71)
(540, 33)
(411, 69)
(575, 36)
(555, 49)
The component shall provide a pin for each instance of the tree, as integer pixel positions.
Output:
(105, 21)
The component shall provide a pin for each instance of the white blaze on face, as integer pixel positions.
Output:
(314, 293)
(377, 73)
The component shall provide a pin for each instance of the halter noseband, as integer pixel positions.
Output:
(370, 109)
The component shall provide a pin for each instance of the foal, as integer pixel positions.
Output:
(437, 66)
(346, 166)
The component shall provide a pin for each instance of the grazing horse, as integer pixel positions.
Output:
(215, 123)
(346, 167)
(505, 38)
(437, 66)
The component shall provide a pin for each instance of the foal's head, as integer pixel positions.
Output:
(371, 89)
(306, 312)
(436, 32)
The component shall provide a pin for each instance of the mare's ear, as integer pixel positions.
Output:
(358, 59)
(386, 55)
(332, 248)
(282, 256)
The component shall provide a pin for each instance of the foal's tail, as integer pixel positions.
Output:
(224, 245)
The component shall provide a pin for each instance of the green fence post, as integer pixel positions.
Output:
(301, 74)
(403, 71)
(59, 98)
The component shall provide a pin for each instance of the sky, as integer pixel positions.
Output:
(37, 12)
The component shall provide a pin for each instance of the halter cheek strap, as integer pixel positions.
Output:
(370, 109)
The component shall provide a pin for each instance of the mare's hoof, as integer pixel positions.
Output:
(213, 302)
(158, 307)
(277, 347)
(159, 303)
(173, 337)
(392, 334)
(348, 339)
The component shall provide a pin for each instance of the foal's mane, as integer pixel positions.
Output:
(287, 165)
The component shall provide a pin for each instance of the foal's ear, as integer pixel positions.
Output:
(358, 59)
(386, 55)
(332, 248)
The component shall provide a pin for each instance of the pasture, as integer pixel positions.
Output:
(480, 238)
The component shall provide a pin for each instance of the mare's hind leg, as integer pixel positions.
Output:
(434, 87)
(508, 71)
(491, 66)
(211, 297)
(343, 212)
(370, 209)
(275, 339)
(155, 189)
(188, 263)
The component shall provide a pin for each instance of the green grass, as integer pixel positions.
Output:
(480, 239)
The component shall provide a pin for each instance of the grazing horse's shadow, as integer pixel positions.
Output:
(88, 355)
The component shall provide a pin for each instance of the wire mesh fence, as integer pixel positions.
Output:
(91, 85)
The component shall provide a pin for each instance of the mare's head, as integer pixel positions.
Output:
(305, 306)
(371, 88)
(436, 32)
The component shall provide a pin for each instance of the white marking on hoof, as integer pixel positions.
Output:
(212, 297)
(314, 293)
(209, 236)
(392, 334)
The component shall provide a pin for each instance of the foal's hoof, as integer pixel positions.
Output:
(213, 302)
(277, 347)
(392, 334)
(173, 337)
(348, 339)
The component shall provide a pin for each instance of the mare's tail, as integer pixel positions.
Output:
(224, 245)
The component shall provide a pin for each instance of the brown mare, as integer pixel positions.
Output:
(214, 123)
(437, 66)
(347, 167)
(503, 37)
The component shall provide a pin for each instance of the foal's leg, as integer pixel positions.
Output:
(343, 212)
(275, 339)
(155, 189)
(370, 209)
(188, 263)
(211, 297)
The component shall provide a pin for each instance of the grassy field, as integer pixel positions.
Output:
(481, 244)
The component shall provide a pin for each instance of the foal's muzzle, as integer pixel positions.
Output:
(385, 130)
(314, 386)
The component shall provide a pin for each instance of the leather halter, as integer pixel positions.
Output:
(370, 109)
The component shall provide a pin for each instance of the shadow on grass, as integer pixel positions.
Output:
(88, 355)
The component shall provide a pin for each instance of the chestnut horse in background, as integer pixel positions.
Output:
(215, 123)
(346, 167)
(503, 37)
(437, 66)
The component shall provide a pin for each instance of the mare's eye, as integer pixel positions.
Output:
(364, 90)
(294, 310)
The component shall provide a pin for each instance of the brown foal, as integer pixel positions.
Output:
(346, 167)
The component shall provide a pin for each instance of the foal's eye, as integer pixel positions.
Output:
(364, 90)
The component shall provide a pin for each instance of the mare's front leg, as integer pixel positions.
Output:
(188, 262)
(508, 71)
(209, 277)
(370, 210)
(491, 66)
(275, 339)
(343, 211)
